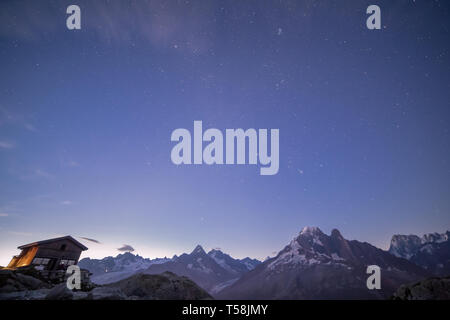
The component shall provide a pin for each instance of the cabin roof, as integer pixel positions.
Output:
(37, 243)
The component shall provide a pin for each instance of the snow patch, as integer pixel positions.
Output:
(223, 285)
(336, 257)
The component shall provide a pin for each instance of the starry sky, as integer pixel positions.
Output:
(86, 118)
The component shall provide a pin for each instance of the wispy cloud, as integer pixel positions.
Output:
(4, 215)
(30, 127)
(66, 203)
(37, 173)
(43, 174)
(126, 248)
(91, 240)
(6, 145)
(72, 164)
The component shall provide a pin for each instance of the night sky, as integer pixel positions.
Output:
(86, 118)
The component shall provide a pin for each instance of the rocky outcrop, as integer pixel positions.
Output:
(14, 280)
(428, 289)
(165, 286)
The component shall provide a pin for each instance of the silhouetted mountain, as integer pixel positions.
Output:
(431, 252)
(317, 266)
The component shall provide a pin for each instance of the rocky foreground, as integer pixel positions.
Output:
(27, 285)
(24, 285)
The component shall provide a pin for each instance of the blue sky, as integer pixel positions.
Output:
(86, 118)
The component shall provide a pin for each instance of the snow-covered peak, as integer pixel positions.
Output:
(311, 231)
(435, 237)
(215, 252)
(429, 251)
(312, 247)
(250, 264)
(237, 266)
(406, 246)
(112, 269)
(311, 234)
(290, 255)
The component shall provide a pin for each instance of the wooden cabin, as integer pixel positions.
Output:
(51, 255)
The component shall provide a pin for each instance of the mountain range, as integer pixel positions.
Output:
(319, 266)
(313, 265)
(112, 269)
(212, 271)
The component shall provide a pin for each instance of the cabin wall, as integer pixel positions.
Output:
(24, 259)
(13, 262)
(57, 251)
(51, 255)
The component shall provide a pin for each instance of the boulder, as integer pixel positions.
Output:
(428, 289)
(60, 292)
(165, 286)
(11, 281)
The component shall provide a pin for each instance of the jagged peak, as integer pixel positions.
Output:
(311, 231)
(126, 254)
(435, 237)
(198, 249)
(426, 238)
(249, 259)
(404, 237)
(335, 233)
(216, 253)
